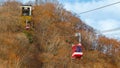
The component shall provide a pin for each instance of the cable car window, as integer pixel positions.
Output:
(78, 49)
(25, 11)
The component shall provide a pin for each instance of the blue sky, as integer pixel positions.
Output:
(64, 0)
(102, 19)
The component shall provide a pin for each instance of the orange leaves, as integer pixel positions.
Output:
(45, 57)
(108, 46)
(104, 40)
(9, 18)
(107, 41)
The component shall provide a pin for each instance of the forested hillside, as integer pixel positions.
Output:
(48, 44)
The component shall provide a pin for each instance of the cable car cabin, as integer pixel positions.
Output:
(28, 24)
(26, 13)
(77, 51)
(26, 10)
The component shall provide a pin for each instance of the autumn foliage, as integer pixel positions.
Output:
(48, 44)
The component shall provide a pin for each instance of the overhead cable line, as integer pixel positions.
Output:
(111, 30)
(114, 34)
(100, 7)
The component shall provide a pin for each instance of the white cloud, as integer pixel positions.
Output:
(25, 1)
(108, 24)
(98, 15)
(102, 19)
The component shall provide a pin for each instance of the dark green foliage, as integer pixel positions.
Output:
(29, 35)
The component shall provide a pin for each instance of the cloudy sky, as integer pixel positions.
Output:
(103, 19)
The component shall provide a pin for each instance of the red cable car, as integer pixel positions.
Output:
(27, 27)
(77, 51)
(28, 24)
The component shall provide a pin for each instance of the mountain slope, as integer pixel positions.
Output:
(52, 37)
